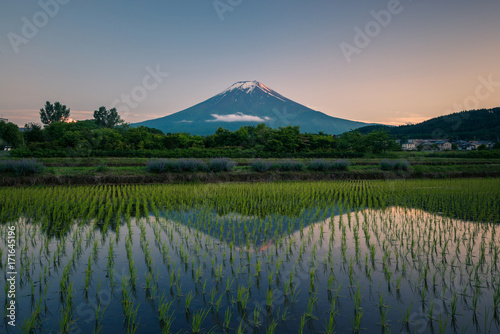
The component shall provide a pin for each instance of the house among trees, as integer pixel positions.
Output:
(4, 120)
(410, 145)
(445, 145)
(481, 143)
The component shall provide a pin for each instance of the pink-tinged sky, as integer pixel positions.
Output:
(412, 61)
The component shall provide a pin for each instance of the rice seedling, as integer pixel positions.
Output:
(218, 304)
(356, 321)
(227, 319)
(302, 323)
(189, 299)
(442, 325)
(310, 308)
(454, 306)
(99, 316)
(384, 323)
(165, 316)
(129, 310)
(67, 322)
(269, 298)
(241, 328)
(272, 327)
(198, 318)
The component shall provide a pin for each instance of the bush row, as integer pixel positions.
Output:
(288, 165)
(21, 167)
(180, 153)
(189, 165)
(394, 165)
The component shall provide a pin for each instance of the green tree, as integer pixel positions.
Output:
(56, 112)
(10, 133)
(107, 118)
(496, 146)
(379, 141)
(289, 137)
(33, 133)
(352, 141)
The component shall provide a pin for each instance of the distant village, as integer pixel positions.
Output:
(445, 145)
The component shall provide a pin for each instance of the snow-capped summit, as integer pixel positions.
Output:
(247, 86)
(249, 103)
(250, 87)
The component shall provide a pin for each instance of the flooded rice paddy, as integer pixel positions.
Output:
(307, 257)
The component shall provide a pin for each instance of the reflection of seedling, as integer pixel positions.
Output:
(88, 273)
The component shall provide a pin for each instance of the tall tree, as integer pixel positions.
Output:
(54, 113)
(107, 118)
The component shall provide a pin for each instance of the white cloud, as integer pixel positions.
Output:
(238, 117)
(185, 121)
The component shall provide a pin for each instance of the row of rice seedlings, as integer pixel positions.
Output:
(100, 202)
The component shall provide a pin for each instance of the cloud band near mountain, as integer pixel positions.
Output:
(238, 117)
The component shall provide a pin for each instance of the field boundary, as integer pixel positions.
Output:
(173, 178)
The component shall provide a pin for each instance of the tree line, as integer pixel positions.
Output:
(107, 134)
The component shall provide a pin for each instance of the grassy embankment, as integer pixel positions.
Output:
(133, 170)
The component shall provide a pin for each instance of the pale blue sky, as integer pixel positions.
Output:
(426, 60)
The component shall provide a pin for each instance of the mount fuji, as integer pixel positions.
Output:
(249, 103)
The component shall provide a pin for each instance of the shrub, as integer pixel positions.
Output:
(288, 165)
(319, 165)
(325, 165)
(401, 165)
(192, 165)
(102, 168)
(221, 165)
(175, 165)
(22, 167)
(156, 165)
(341, 165)
(260, 166)
(386, 165)
(394, 165)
